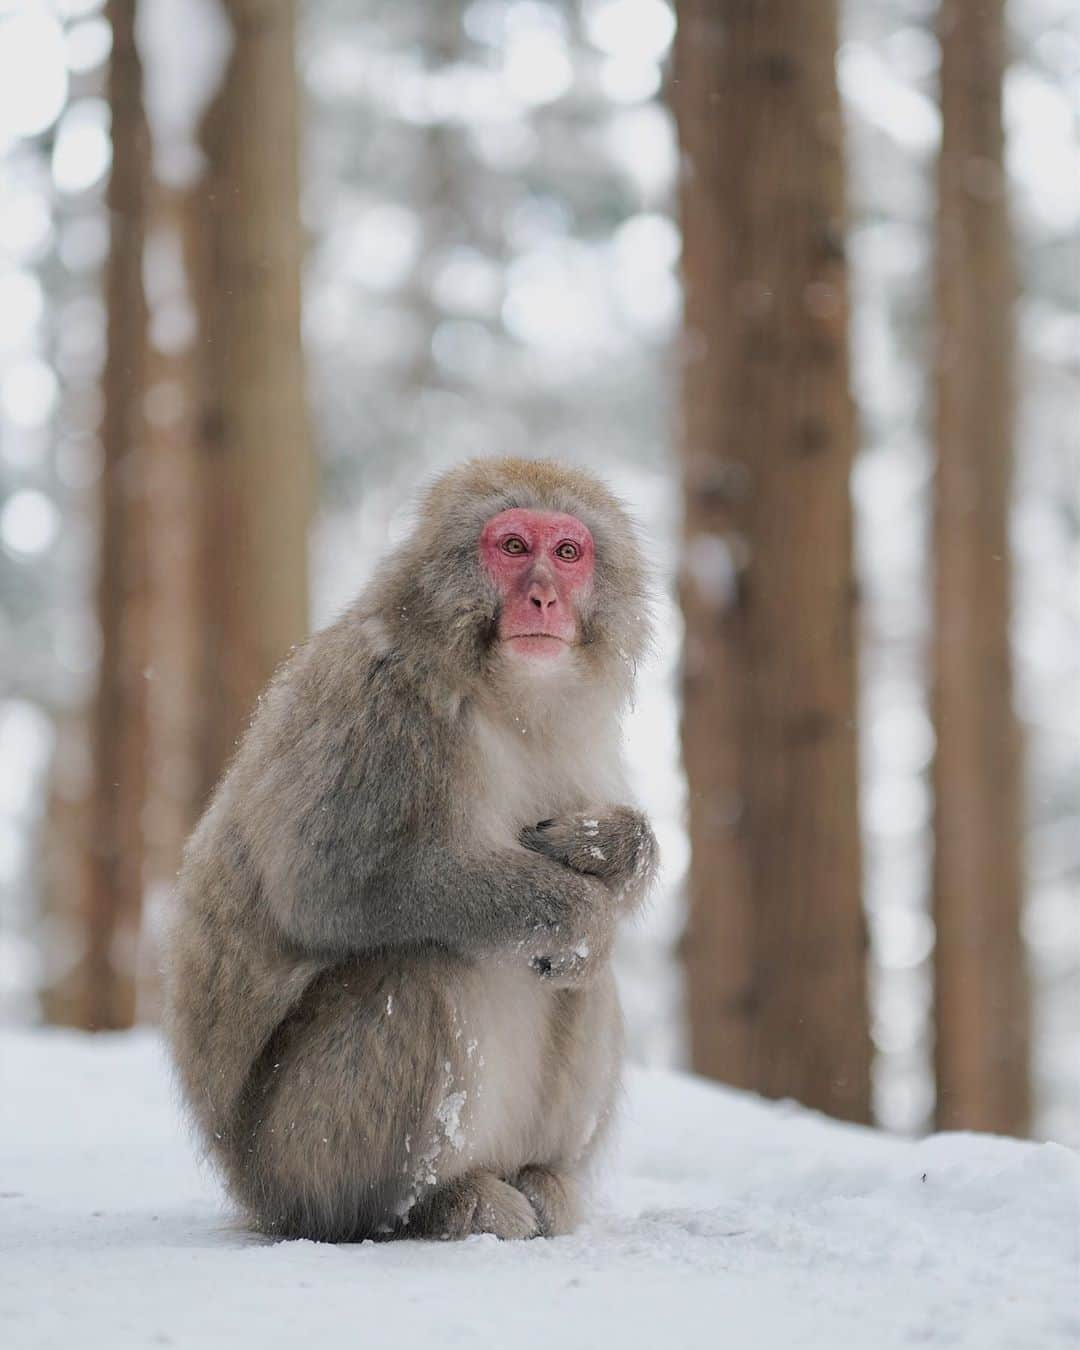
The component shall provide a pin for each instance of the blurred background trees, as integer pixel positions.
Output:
(982, 1016)
(256, 473)
(104, 985)
(776, 941)
(475, 202)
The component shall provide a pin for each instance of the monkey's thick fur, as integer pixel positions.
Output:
(389, 994)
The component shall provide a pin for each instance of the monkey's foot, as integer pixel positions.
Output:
(477, 1203)
(553, 1197)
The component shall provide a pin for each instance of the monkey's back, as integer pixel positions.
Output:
(229, 983)
(231, 977)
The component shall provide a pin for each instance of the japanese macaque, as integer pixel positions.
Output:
(390, 997)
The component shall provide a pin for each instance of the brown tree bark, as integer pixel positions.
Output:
(256, 469)
(775, 947)
(62, 871)
(113, 883)
(981, 985)
(174, 516)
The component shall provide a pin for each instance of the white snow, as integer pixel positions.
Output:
(448, 1114)
(724, 1222)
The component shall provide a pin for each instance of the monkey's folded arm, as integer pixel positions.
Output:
(512, 900)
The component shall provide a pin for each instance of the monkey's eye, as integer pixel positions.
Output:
(513, 544)
(568, 551)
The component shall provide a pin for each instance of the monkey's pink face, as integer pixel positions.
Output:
(542, 564)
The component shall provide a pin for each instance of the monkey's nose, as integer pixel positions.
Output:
(543, 595)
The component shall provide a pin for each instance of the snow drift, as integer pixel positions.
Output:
(721, 1221)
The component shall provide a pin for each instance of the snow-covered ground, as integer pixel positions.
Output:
(722, 1222)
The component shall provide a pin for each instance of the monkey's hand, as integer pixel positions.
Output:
(615, 844)
(572, 945)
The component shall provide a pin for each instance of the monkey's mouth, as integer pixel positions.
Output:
(536, 644)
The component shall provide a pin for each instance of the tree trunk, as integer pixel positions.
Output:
(174, 512)
(113, 889)
(256, 470)
(982, 998)
(775, 949)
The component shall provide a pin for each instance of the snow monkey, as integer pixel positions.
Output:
(390, 997)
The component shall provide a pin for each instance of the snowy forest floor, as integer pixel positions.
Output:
(722, 1221)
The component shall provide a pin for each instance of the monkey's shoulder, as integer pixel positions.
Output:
(349, 713)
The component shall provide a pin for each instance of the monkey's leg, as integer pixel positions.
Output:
(580, 1085)
(478, 1202)
(554, 1197)
(341, 1131)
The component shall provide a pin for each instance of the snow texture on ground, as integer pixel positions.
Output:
(723, 1222)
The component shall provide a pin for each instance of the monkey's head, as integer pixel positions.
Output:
(521, 567)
